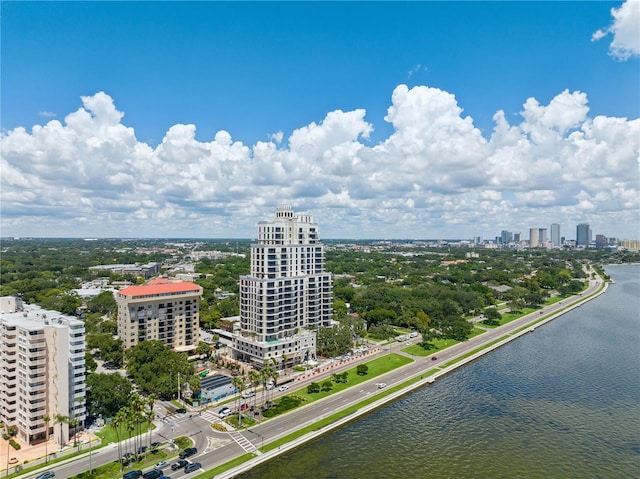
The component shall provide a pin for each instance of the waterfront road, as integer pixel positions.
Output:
(216, 448)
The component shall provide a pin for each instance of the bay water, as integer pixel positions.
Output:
(561, 402)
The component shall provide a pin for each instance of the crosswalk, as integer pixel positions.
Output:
(243, 442)
(209, 416)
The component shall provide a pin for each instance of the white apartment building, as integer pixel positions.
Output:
(42, 371)
(164, 310)
(287, 294)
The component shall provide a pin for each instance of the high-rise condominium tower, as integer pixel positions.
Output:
(533, 237)
(287, 294)
(162, 310)
(542, 237)
(555, 234)
(583, 234)
(43, 371)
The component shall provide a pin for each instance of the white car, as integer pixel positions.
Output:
(283, 388)
(381, 385)
(161, 465)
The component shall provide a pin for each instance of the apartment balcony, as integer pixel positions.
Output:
(35, 362)
(76, 356)
(37, 396)
(37, 428)
(34, 387)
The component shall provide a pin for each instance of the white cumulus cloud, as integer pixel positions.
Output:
(625, 30)
(435, 175)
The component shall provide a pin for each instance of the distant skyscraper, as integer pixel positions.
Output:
(516, 237)
(506, 237)
(542, 236)
(555, 234)
(601, 241)
(583, 234)
(533, 237)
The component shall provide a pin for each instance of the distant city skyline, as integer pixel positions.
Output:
(384, 120)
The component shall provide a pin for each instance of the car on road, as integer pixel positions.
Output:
(224, 412)
(248, 394)
(190, 451)
(194, 466)
(181, 410)
(152, 474)
(179, 465)
(283, 388)
(165, 477)
(135, 474)
(46, 475)
(381, 385)
(433, 358)
(161, 465)
(243, 407)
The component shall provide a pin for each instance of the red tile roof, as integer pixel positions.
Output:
(157, 287)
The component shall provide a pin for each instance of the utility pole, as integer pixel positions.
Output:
(178, 387)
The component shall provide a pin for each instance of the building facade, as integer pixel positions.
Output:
(583, 235)
(555, 234)
(42, 371)
(162, 310)
(542, 237)
(533, 237)
(287, 294)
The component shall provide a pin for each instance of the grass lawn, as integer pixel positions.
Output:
(438, 344)
(108, 433)
(376, 367)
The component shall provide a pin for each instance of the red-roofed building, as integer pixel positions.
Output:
(162, 309)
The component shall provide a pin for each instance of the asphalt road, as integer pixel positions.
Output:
(216, 448)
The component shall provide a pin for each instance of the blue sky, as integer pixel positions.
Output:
(269, 76)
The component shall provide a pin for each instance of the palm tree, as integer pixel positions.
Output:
(117, 423)
(239, 383)
(150, 415)
(136, 411)
(9, 432)
(46, 418)
(61, 419)
(73, 423)
(254, 377)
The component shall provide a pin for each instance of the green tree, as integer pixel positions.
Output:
(362, 369)
(492, 315)
(107, 394)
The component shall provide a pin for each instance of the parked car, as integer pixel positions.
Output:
(132, 474)
(194, 466)
(179, 465)
(46, 475)
(190, 451)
